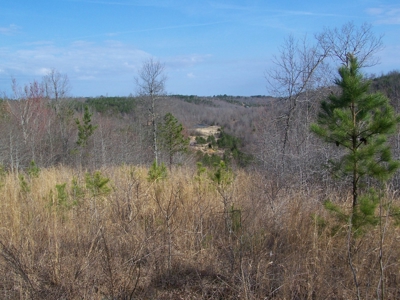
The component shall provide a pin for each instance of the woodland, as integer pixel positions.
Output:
(295, 196)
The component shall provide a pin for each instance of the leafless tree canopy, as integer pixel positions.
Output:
(151, 86)
(303, 66)
(302, 63)
(56, 85)
(151, 79)
(350, 39)
(294, 69)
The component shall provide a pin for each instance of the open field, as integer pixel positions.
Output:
(67, 234)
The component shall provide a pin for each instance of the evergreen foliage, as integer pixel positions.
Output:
(194, 100)
(62, 195)
(231, 150)
(362, 218)
(360, 123)
(211, 140)
(228, 141)
(222, 175)
(25, 188)
(97, 184)
(208, 160)
(232, 146)
(200, 140)
(172, 140)
(157, 172)
(85, 128)
(122, 105)
(33, 170)
(77, 191)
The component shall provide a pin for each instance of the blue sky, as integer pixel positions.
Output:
(208, 47)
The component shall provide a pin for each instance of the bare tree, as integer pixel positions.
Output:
(361, 42)
(151, 87)
(56, 88)
(300, 71)
(56, 85)
(30, 113)
(294, 73)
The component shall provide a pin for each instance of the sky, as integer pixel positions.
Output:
(208, 47)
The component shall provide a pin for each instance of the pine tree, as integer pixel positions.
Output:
(360, 123)
(85, 129)
(172, 139)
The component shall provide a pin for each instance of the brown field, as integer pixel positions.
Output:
(182, 238)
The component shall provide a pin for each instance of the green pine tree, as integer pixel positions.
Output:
(172, 140)
(85, 128)
(360, 123)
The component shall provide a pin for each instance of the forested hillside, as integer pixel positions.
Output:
(44, 130)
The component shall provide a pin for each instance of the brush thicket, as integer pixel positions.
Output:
(184, 236)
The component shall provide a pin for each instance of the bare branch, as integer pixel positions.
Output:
(56, 85)
(151, 86)
(349, 39)
(151, 79)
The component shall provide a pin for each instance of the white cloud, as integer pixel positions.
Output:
(88, 65)
(80, 58)
(386, 14)
(190, 60)
(93, 68)
(375, 11)
(10, 30)
(86, 77)
(43, 71)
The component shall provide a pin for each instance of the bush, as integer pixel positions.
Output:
(33, 170)
(208, 160)
(97, 184)
(157, 172)
(200, 140)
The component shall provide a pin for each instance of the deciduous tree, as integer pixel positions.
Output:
(30, 113)
(151, 87)
(303, 70)
(295, 72)
(351, 39)
(56, 88)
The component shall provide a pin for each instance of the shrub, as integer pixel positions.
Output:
(157, 172)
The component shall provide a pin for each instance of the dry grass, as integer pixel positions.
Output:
(169, 240)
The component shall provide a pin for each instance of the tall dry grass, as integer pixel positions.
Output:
(170, 240)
